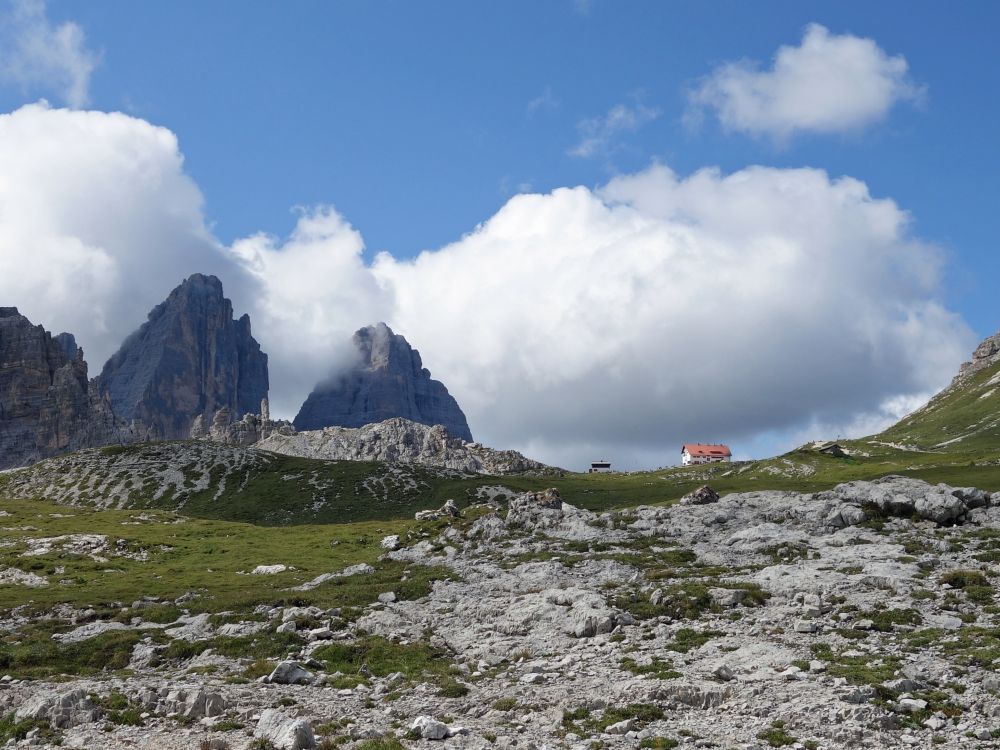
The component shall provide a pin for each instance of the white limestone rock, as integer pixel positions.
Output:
(285, 732)
(430, 728)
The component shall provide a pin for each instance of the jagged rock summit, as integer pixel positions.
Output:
(986, 355)
(189, 360)
(388, 381)
(47, 405)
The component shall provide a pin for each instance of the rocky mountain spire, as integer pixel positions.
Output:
(388, 381)
(47, 405)
(190, 359)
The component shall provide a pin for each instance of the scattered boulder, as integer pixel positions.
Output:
(549, 498)
(430, 728)
(192, 628)
(845, 515)
(726, 597)
(902, 496)
(18, 577)
(351, 570)
(144, 655)
(187, 702)
(90, 630)
(268, 570)
(694, 696)
(529, 509)
(622, 727)
(62, 710)
(724, 673)
(704, 495)
(285, 732)
(290, 673)
(911, 705)
(242, 629)
(448, 510)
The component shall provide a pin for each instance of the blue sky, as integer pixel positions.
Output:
(419, 121)
(414, 120)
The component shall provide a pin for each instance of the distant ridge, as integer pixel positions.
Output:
(400, 441)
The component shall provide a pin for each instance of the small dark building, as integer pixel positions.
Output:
(831, 449)
(599, 467)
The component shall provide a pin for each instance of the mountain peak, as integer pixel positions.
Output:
(201, 282)
(985, 355)
(190, 359)
(388, 381)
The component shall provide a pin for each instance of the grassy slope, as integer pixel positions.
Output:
(206, 556)
(965, 419)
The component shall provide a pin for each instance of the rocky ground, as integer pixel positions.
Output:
(864, 616)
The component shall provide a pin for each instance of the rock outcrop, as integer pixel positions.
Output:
(249, 430)
(985, 355)
(388, 381)
(47, 405)
(400, 441)
(189, 360)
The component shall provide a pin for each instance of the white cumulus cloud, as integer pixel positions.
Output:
(308, 295)
(98, 221)
(830, 83)
(613, 322)
(659, 309)
(38, 56)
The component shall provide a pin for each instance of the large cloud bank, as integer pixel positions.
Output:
(577, 324)
(828, 84)
(97, 221)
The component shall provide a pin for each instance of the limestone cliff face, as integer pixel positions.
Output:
(389, 381)
(47, 405)
(189, 360)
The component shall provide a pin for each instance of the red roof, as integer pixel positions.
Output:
(697, 449)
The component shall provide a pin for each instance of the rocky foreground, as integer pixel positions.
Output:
(864, 616)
